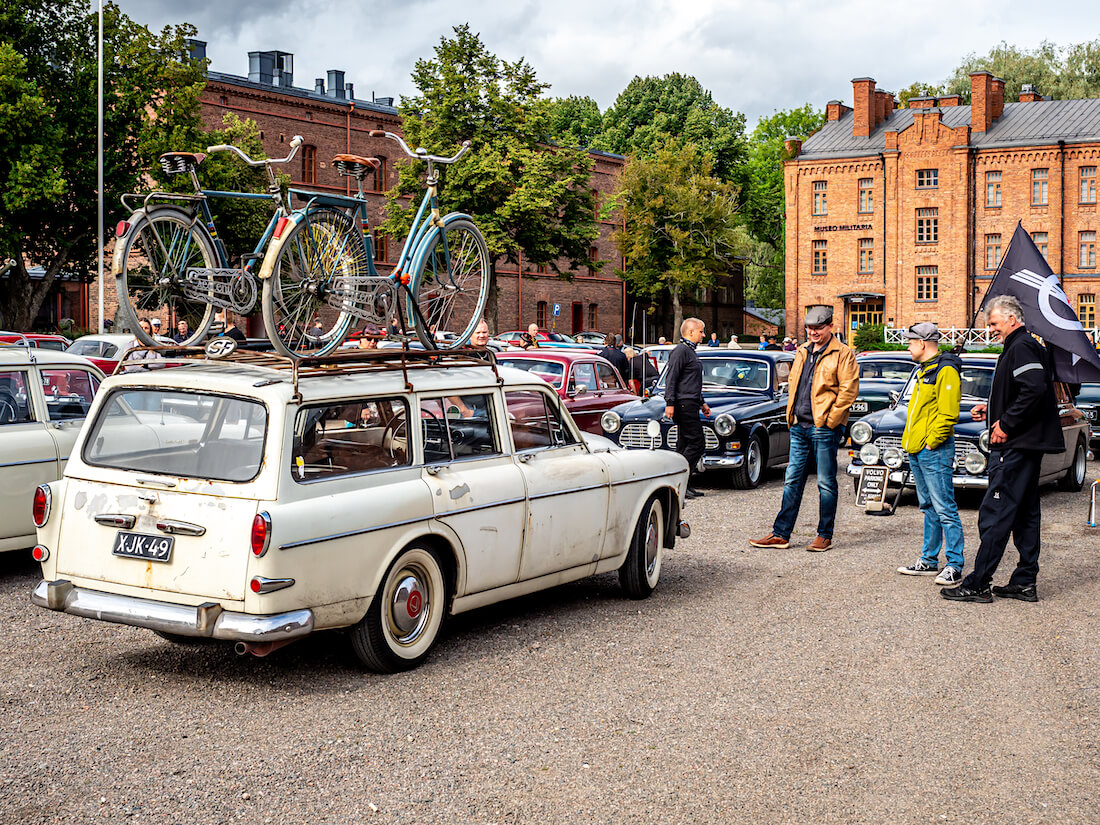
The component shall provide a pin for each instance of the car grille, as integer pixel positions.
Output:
(708, 434)
(962, 448)
(634, 435)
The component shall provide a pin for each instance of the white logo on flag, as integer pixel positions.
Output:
(1047, 289)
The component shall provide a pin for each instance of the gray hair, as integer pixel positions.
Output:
(691, 323)
(1005, 305)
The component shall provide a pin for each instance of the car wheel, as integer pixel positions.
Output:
(642, 568)
(749, 474)
(1074, 479)
(404, 619)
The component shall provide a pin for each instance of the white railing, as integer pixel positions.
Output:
(965, 336)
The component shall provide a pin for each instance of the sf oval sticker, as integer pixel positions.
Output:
(220, 347)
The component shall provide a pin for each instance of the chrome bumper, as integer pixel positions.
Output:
(716, 462)
(206, 620)
(897, 476)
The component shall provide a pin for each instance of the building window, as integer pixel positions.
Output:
(593, 255)
(1038, 187)
(379, 184)
(1040, 241)
(309, 164)
(541, 269)
(866, 255)
(1086, 310)
(992, 251)
(379, 245)
(1088, 184)
(866, 195)
(540, 315)
(993, 189)
(223, 100)
(820, 207)
(595, 202)
(869, 312)
(593, 316)
(928, 224)
(928, 288)
(820, 262)
(928, 178)
(1088, 250)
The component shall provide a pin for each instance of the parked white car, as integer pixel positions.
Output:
(44, 397)
(250, 501)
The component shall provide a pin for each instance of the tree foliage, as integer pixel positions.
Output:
(1063, 72)
(918, 90)
(525, 196)
(573, 121)
(48, 104)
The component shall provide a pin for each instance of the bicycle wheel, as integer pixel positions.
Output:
(150, 268)
(314, 284)
(451, 302)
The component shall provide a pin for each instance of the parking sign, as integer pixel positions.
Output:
(557, 310)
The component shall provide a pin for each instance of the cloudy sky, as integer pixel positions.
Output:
(755, 56)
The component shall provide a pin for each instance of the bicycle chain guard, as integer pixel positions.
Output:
(231, 289)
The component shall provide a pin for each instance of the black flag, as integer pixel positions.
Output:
(1025, 274)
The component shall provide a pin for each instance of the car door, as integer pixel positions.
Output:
(1073, 423)
(586, 406)
(612, 389)
(477, 489)
(567, 487)
(68, 394)
(779, 432)
(28, 455)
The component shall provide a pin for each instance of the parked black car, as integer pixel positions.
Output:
(1088, 402)
(876, 439)
(880, 373)
(746, 431)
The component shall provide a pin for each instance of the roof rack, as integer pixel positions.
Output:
(23, 342)
(346, 362)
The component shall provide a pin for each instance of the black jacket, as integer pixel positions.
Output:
(642, 369)
(683, 377)
(618, 359)
(1022, 397)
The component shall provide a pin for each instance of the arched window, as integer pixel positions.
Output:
(309, 164)
(380, 175)
(540, 315)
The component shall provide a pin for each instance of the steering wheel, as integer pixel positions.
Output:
(398, 424)
(7, 408)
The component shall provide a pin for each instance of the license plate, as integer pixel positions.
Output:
(143, 546)
(859, 406)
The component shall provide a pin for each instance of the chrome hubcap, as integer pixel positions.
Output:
(652, 543)
(754, 460)
(409, 607)
(1079, 465)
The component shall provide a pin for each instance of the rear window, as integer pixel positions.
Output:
(179, 433)
(552, 372)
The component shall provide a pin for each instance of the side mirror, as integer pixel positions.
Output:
(894, 396)
(782, 387)
(579, 389)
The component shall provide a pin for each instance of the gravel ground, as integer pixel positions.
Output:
(753, 686)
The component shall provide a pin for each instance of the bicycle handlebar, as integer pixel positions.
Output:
(295, 142)
(421, 153)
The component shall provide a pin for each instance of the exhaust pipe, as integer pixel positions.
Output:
(260, 649)
(683, 530)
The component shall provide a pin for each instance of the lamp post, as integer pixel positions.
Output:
(99, 164)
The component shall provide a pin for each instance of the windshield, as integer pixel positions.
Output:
(884, 370)
(96, 349)
(732, 373)
(976, 384)
(553, 372)
(179, 433)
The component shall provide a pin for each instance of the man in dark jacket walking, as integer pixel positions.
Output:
(1025, 425)
(613, 352)
(684, 395)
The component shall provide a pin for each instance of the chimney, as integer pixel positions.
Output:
(1028, 94)
(384, 101)
(350, 91)
(880, 106)
(271, 68)
(835, 110)
(891, 104)
(319, 86)
(922, 102)
(950, 100)
(793, 146)
(863, 98)
(981, 101)
(196, 50)
(998, 97)
(336, 84)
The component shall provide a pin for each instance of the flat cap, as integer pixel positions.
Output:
(819, 316)
(924, 331)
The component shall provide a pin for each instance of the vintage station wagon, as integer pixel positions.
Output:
(257, 500)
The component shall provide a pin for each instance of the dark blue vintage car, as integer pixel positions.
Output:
(746, 431)
(876, 438)
(880, 374)
(1088, 402)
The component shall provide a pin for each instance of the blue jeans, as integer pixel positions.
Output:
(932, 471)
(824, 444)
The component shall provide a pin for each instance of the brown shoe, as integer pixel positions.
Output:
(771, 540)
(819, 545)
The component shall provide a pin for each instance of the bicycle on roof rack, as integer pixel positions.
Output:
(316, 263)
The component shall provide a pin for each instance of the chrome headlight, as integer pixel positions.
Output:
(983, 441)
(610, 421)
(861, 432)
(892, 458)
(976, 463)
(724, 424)
(869, 454)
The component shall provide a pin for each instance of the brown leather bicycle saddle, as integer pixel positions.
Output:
(355, 166)
(374, 163)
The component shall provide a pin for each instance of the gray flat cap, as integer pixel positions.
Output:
(819, 316)
(924, 331)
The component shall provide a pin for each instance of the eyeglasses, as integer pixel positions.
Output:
(817, 327)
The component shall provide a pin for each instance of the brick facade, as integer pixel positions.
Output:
(917, 226)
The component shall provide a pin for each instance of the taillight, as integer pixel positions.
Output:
(40, 553)
(261, 585)
(280, 226)
(40, 510)
(261, 534)
(122, 228)
(256, 585)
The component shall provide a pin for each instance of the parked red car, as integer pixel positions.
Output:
(38, 340)
(587, 383)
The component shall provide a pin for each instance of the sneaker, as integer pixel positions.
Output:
(693, 493)
(949, 577)
(819, 545)
(966, 594)
(771, 540)
(1023, 592)
(919, 569)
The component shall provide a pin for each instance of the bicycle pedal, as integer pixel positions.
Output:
(248, 257)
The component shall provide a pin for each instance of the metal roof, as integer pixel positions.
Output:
(1021, 124)
(294, 91)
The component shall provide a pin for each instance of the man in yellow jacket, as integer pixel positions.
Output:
(824, 381)
(929, 439)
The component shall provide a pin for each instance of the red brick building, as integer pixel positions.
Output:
(901, 215)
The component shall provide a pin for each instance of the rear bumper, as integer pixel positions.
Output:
(957, 480)
(205, 621)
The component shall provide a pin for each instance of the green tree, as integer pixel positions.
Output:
(918, 90)
(1063, 72)
(48, 118)
(573, 121)
(681, 223)
(525, 196)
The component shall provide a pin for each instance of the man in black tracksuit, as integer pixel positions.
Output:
(1023, 412)
(684, 395)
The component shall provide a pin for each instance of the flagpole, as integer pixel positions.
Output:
(99, 164)
(978, 304)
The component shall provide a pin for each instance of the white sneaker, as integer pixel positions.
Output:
(919, 569)
(950, 577)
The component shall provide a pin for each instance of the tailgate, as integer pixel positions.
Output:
(213, 565)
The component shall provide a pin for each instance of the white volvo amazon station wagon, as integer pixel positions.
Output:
(255, 499)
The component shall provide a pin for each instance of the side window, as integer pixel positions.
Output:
(457, 426)
(15, 403)
(608, 381)
(782, 372)
(535, 423)
(69, 393)
(584, 374)
(332, 440)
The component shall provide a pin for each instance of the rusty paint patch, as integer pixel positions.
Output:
(459, 492)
